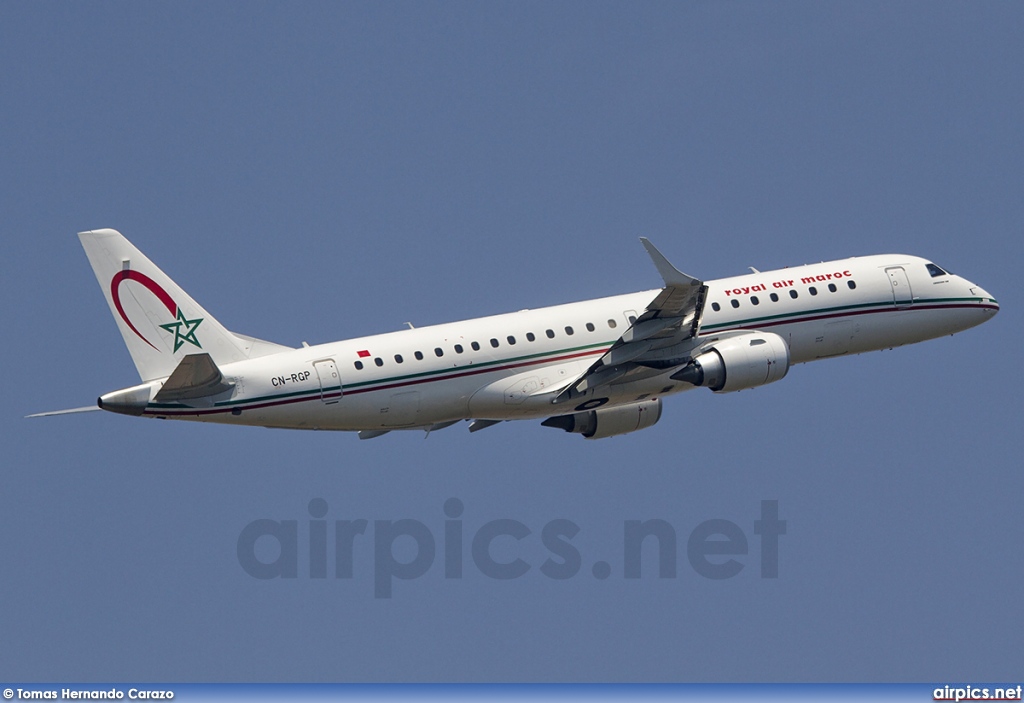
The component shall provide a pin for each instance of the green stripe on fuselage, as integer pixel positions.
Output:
(839, 308)
(315, 393)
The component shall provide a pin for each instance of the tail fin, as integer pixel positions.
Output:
(159, 321)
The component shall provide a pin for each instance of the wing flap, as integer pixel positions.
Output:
(629, 351)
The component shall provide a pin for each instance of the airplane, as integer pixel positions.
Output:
(598, 368)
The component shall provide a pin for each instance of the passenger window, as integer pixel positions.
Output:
(438, 351)
(359, 366)
(735, 303)
(511, 340)
(632, 319)
(530, 337)
(494, 343)
(419, 356)
(793, 294)
(851, 284)
(458, 349)
(378, 361)
(716, 307)
(568, 331)
(476, 346)
(774, 297)
(550, 334)
(398, 358)
(813, 290)
(612, 324)
(754, 300)
(590, 327)
(831, 287)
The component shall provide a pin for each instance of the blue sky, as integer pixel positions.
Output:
(320, 171)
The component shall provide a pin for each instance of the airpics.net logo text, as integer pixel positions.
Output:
(715, 549)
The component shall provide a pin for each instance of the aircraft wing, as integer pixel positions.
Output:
(672, 318)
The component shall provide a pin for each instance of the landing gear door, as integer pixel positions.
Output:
(330, 380)
(901, 293)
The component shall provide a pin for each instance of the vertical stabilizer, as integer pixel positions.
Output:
(159, 321)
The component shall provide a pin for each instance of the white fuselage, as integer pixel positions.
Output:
(508, 366)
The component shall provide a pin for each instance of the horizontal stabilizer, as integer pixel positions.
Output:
(195, 377)
(86, 409)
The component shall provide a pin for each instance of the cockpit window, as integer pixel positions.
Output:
(935, 271)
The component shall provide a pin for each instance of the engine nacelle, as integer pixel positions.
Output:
(608, 422)
(740, 362)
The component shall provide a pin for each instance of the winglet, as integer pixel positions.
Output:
(671, 275)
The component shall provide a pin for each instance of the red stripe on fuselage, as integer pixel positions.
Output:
(402, 384)
(565, 357)
(850, 313)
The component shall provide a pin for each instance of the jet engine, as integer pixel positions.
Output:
(736, 363)
(608, 422)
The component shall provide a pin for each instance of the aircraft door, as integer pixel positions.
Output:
(330, 380)
(901, 293)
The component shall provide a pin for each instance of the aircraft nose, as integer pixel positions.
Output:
(984, 297)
